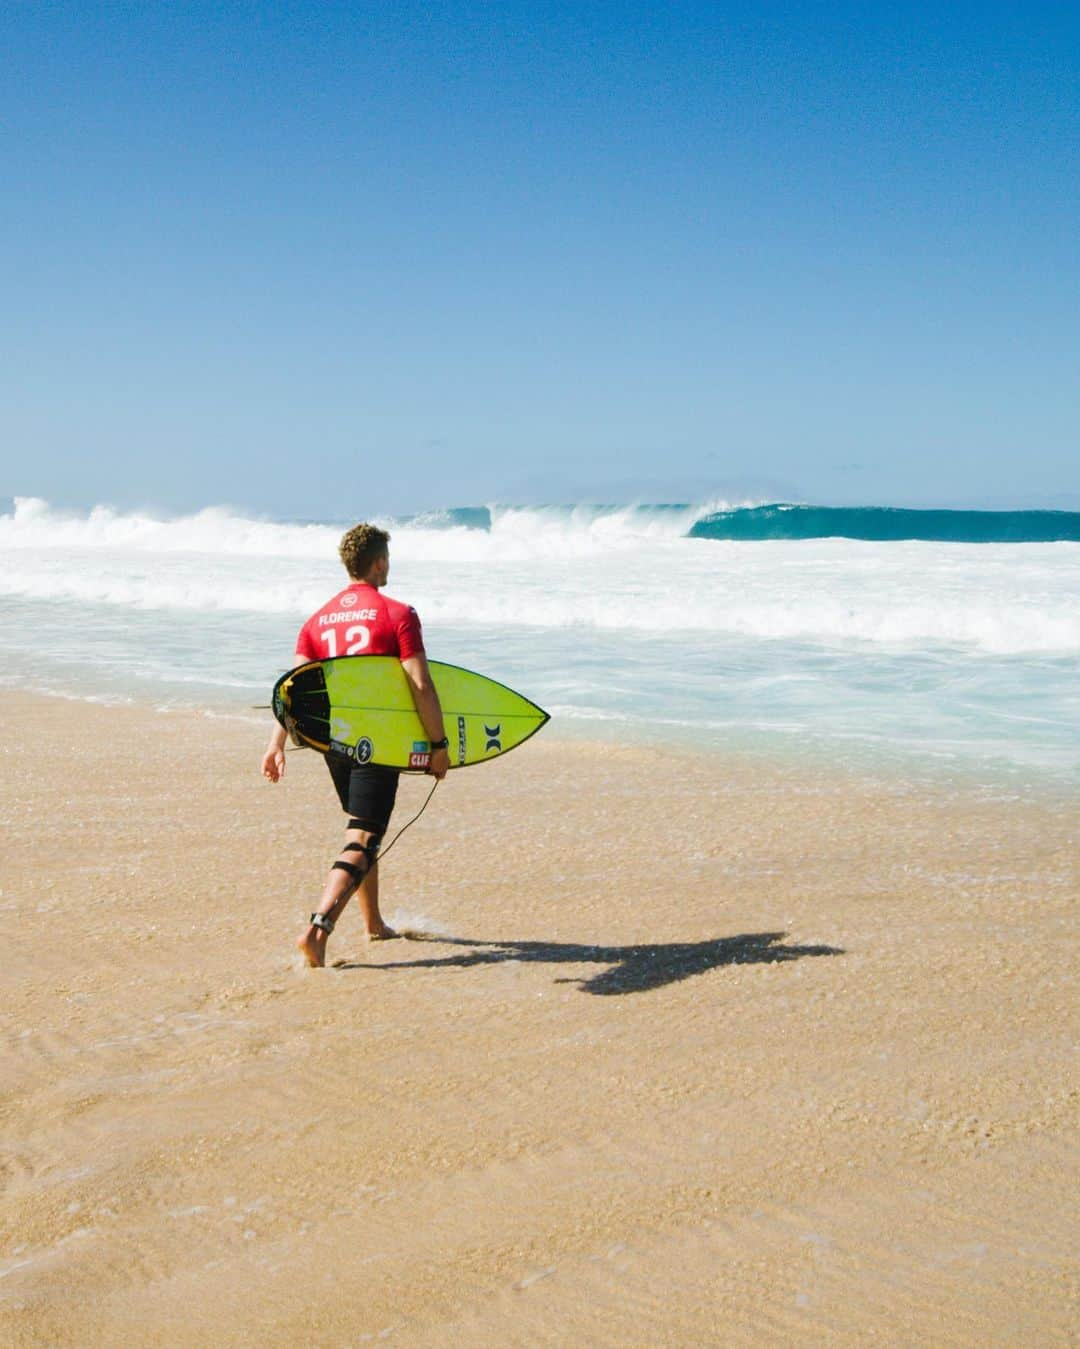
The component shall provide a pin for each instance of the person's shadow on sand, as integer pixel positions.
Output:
(631, 969)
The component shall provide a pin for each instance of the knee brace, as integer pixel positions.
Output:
(370, 851)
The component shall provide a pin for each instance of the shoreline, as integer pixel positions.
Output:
(818, 759)
(682, 1050)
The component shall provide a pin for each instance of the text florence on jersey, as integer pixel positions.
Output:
(357, 635)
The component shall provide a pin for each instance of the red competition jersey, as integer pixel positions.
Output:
(359, 621)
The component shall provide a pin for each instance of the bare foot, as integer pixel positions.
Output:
(382, 933)
(312, 946)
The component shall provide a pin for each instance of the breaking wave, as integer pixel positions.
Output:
(520, 533)
(465, 533)
(631, 570)
(885, 524)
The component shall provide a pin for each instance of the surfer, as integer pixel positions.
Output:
(359, 621)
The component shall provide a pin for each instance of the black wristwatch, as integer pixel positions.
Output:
(444, 743)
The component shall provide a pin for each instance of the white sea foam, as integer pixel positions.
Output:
(987, 626)
(216, 530)
(118, 585)
(998, 623)
(584, 569)
(610, 615)
(515, 533)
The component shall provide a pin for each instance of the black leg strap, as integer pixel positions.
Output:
(321, 920)
(370, 851)
(357, 873)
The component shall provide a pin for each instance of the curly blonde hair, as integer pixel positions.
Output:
(360, 547)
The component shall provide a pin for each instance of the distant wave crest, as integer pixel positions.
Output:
(522, 533)
(470, 533)
(34, 523)
(883, 524)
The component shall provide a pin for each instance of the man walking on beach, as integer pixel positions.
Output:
(360, 621)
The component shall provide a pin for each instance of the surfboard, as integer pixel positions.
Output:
(361, 707)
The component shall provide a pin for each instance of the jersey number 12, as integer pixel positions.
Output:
(358, 638)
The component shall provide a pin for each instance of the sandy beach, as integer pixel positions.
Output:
(685, 1051)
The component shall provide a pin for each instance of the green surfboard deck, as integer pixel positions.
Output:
(361, 707)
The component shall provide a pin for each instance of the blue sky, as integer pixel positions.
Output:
(320, 259)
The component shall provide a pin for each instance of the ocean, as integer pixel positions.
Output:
(939, 643)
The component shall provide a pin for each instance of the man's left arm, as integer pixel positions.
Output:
(273, 759)
(428, 709)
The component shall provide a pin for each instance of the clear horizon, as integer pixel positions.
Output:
(405, 258)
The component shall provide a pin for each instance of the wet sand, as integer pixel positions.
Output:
(808, 1079)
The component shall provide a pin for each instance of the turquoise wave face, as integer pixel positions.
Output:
(882, 524)
(748, 524)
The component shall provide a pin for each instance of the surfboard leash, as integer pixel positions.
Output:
(409, 823)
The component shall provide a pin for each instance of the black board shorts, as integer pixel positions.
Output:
(367, 792)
